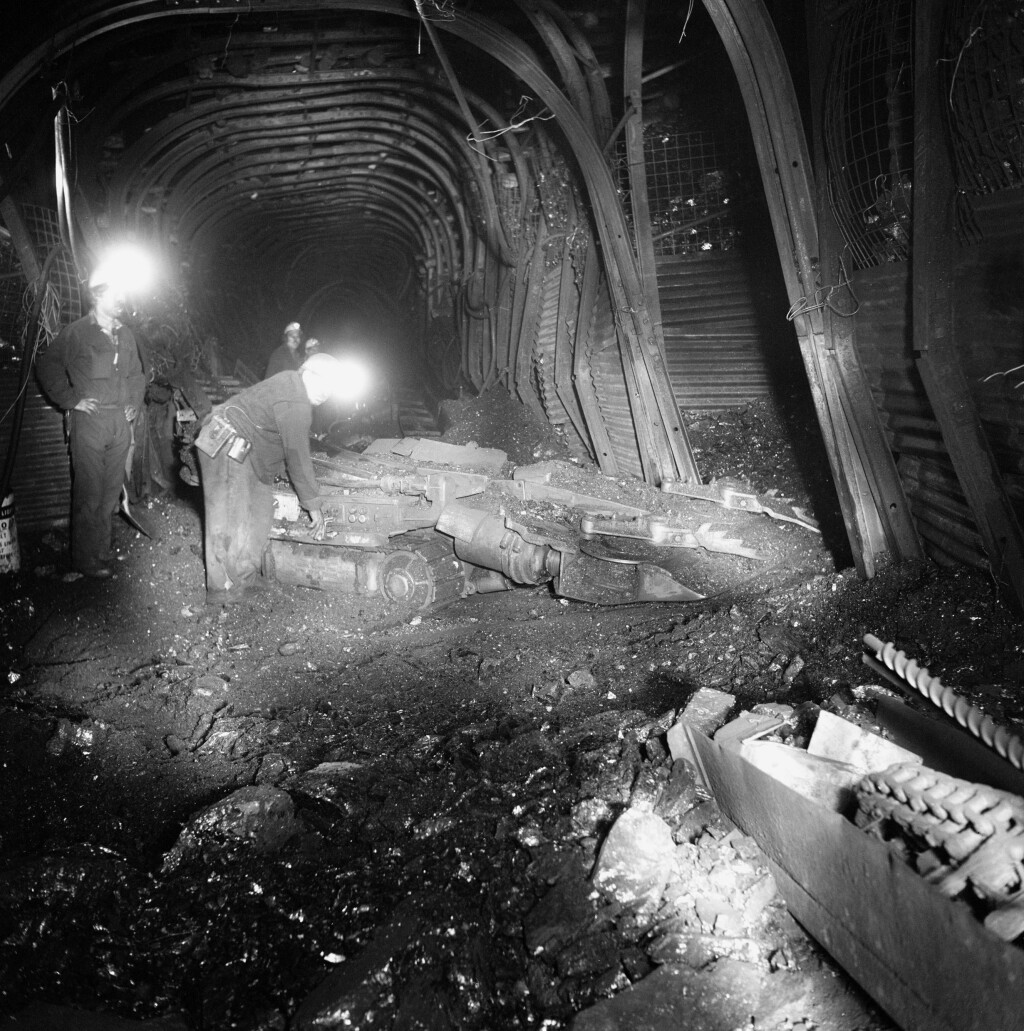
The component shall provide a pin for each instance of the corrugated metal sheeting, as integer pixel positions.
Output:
(42, 479)
(989, 326)
(610, 387)
(989, 315)
(718, 343)
(716, 346)
(545, 341)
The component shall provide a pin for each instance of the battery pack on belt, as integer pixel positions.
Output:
(215, 434)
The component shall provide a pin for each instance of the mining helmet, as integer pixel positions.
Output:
(345, 380)
(323, 366)
(99, 279)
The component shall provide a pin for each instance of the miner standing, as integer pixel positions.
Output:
(92, 370)
(288, 355)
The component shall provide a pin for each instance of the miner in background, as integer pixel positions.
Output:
(93, 371)
(259, 434)
(289, 354)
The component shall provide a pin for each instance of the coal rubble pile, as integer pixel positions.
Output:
(508, 875)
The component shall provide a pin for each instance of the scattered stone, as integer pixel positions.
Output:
(698, 950)
(697, 821)
(530, 836)
(709, 907)
(552, 864)
(635, 963)
(656, 749)
(288, 648)
(589, 956)
(793, 670)
(582, 678)
(746, 847)
(706, 711)
(683, 947)
(607, 773)
(229, 738)
(760, 895)
(590, 816)
(334, 769)
(565, 911)
(647, 788)
(273, 768)
(261, 816)
(678, 794)
(209, 685)
(636, 859)
(431, 828)
(175, 745)
(549, 690)
(729, 923)
(82, 736)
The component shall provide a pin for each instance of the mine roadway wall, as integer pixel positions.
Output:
(988, 302)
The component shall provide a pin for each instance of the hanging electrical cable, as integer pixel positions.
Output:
(492, 222)
(65, 218)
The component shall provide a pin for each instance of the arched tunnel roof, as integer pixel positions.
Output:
(355, 160)
(319, 151)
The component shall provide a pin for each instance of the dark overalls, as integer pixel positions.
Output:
(238, 497)
(82, 362)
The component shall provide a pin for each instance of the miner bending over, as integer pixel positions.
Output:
(273, 417)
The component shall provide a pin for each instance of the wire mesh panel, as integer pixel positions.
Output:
(985, 67)
(12, 309)
(64, 298)
(691, 190)
(869, 130)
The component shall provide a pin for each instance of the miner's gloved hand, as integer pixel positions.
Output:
(89, 405)
(130, 411)
(317, 523)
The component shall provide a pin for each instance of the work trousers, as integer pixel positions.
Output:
(239, 513)
(99, 449)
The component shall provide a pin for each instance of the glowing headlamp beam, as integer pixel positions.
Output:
(126, 269)
(352, 382)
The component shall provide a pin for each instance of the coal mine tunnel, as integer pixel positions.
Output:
(482, 483)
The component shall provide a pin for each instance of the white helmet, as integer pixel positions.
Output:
(323, 377)
(99, 278)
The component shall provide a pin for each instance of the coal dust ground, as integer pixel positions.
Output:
(315, 811)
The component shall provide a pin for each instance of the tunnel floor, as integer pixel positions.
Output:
(313, 810)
